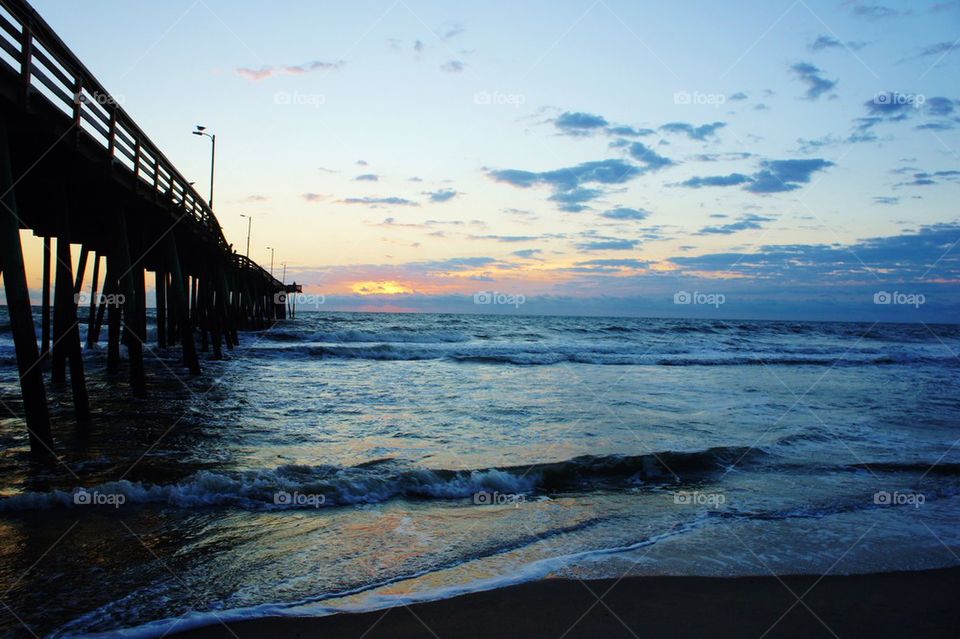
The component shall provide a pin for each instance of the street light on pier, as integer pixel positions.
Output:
(271, 260)
(249, 221)
(202, 130)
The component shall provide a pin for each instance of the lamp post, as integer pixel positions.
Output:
(271, 260)
(201, 130)
(283, 278)
(249, 221)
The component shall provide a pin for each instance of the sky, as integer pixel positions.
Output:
(793, 160)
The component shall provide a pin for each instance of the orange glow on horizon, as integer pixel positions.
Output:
(381, 288)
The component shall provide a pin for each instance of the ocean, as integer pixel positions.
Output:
(351, 461)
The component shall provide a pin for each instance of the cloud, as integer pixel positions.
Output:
(314, 197)
(442, 195)
(629, 131)
(713, 157)
(888, 104)
(894, 106)
(452, 66)
(256, 198)
(918, 254)
(824, 42)
(579, 123)
(506, 238)
(451, 30)
(716, 180)
(611, 171)
(367, 177)
(418, 46)
(608, 245)
(392, 222)
(810, 75)
(625, 214)
(938, 49)
(926, 178)
(567, 182)
(774, 176)
(375, 201)
(858, 136)
(829, 42)
(743, 223)
(948, 5)
(572, 200)
(738, 96)
(777, 176)
(616, 263)
(874, 11)
(651, 160)
(796, 170)
(939, 106)
(936, 126)
(701, 132)
(828, 281)
(886, 199)
(265, 72)
(527, 253)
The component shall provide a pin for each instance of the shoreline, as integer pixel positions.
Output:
(889, 604)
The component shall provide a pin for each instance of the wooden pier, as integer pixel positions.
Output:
(76, 170)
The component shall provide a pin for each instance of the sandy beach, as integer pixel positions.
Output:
(900, 604)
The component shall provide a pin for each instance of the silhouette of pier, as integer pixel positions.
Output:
(77, 171)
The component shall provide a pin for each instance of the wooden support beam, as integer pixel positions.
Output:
(194, 307)
(140, 287)
(63, 280)
(216, 308)
(226, 308)
(173, 329)
(81, 269)
(20, 311)
(45, 301)
(138, 382)
(110, 287)
(178, 295)
(160, 285)
(92, 316)
(66, 345)
(201, 311)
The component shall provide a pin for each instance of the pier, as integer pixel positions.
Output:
(77, 171)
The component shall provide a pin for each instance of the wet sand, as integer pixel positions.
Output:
(898, 604)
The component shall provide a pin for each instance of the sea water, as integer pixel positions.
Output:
(350, 461)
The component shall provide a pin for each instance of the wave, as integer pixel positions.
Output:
(294, 486)
(935, 469)
(332, 603)
(302, 487)
(533, 354)
(389, 336)
(374, 598)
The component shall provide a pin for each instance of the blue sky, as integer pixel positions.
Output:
(797, 158)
